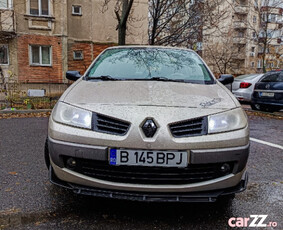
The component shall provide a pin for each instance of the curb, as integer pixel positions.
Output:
(25, 111)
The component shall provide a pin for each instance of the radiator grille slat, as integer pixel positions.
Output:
(188, 128)
(105, 124)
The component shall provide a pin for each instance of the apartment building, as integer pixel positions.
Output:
(250, 37)
(41, 39)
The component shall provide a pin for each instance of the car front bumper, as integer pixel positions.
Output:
(211, 189)
(206, 196)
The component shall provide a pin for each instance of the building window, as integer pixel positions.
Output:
(76, 10)
(254, 19)
(4, 4)
(78, 55)
(39, 7)
(271, 65)
(40, 55)
(256, 4)
(4, 55)
(259, 64)
(253, 64)
(253, 49)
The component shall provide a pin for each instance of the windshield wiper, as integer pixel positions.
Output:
(165, 79)
(104, 78)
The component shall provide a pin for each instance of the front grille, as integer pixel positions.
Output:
(188, 128)
(105, 124)
(148, 175)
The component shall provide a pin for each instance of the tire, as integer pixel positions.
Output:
(46, 154)
(257, 107)
(273, 108)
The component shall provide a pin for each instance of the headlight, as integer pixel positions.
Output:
(228, 121)
(70, 115)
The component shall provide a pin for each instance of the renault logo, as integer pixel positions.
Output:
(149, 128)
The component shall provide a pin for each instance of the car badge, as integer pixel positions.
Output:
(149, 128)
(267, 86)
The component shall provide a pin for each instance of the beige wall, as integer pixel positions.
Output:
(55, 24)
(96, 26)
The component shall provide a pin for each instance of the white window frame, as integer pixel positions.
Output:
(73, 10)
(74, 56)
(40, 9)
(271, 65)
(10, 5)
(40, 55)
(259, 64)
(5, 45)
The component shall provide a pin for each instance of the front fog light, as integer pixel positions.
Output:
(225, 168)
(71, 163)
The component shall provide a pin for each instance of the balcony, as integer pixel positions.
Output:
(240, 25)
(241, 10)
(7, 23)
(240, 40)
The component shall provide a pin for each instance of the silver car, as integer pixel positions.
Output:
(149, 124)
(243, 86)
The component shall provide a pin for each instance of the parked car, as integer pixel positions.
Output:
(149, 124)
(268, 92)
(243, 86)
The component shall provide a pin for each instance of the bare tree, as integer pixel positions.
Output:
(122, 11)
(268, 32)
(182, 22)
(222, 55)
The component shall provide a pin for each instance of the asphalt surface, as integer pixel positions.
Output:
(29, 201)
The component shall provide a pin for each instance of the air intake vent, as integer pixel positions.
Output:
(150, 175)
(188, 128)
(105, 124)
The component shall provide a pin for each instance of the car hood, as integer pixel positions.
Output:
(87, 94)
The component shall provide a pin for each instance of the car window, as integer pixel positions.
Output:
(146, 63)
(274, 77)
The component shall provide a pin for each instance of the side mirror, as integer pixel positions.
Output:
(73, 75)
(226, 79)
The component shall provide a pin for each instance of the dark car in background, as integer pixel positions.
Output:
(268, 92)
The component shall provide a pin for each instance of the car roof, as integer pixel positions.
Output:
(148, 46)
(248, 76)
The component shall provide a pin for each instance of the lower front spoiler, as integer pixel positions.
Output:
(207, 196)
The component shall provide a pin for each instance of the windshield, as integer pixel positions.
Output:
(274, 77)
(150, 64)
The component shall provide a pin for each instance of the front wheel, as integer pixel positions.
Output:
(257, 107)
(46, 154)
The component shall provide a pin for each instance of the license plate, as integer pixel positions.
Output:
(264, 94)
(148, 158)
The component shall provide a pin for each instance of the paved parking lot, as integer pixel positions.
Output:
(29, 201)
